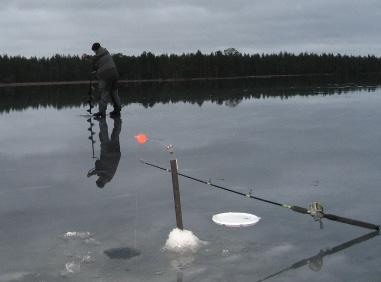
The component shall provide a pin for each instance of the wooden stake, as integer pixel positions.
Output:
(176, 194)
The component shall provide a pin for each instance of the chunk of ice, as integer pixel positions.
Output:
(84, 235)
(72, 267)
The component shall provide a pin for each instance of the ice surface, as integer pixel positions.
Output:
(12, 276)
(278, 147)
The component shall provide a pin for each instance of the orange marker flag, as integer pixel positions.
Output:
(141, 138)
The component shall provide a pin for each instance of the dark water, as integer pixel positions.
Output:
(291, 144)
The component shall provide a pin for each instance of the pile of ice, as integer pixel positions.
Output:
(183, 241)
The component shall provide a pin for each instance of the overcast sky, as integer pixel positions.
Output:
(46, 27)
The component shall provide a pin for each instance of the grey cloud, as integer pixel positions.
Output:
(42, 27)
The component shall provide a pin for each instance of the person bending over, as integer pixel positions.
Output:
(108, 75)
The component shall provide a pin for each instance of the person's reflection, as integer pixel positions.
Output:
(107, 164)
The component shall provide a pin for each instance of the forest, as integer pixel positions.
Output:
(219, 64)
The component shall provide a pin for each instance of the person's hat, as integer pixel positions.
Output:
(95, 46)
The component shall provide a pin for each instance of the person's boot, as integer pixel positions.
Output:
(115, 113)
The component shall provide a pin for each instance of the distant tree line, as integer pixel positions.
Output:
(194, 65)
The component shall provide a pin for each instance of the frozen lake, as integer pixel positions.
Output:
(61, 220)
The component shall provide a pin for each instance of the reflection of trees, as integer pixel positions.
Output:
(229, 92)
(231, 103)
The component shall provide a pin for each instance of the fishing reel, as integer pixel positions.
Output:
(170, 148)
(316, 210)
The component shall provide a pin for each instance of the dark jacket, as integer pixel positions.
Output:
(104, 65)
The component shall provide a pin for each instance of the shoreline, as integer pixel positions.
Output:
(159, 80)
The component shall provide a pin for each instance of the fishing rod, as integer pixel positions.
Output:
(315, 209)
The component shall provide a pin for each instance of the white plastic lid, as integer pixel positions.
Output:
(235, 219)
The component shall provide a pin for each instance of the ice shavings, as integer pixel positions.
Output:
(183, 241)
(72, 267)
(77, 235)
(87, 237)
